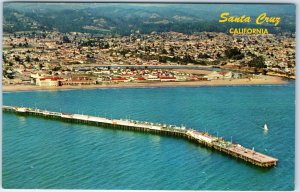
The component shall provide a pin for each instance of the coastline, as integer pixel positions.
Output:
(263, 81)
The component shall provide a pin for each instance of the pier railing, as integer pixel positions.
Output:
(235, 150)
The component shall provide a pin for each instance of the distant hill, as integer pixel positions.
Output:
(123, 19)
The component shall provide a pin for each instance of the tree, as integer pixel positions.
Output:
(17, 58)
(27, 59)
(203, 56)
(56, 68)
(187, 59)
(172, 51)
(162, 59)
(4, 57)
(106, 46)
(164, 51)
(234, 53)
(258, 62)
(66, 39)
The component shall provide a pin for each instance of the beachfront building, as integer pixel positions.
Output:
(49, 81)
(237, 75)
(213, 76)
(139, 79)
(79, 80)
(167, 78)
(119, 79)
(150, 77)
(227, 75)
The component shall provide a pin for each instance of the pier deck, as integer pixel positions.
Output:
(203, 138)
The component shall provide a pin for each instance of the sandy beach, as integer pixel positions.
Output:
(266, 80)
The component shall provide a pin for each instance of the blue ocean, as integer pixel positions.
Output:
(50, 154)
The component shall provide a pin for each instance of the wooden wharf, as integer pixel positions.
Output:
(217, 143)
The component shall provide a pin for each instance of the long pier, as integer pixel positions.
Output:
(203, 138)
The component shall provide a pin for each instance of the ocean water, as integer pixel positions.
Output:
(49, 154)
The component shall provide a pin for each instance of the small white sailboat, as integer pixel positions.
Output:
(266, 127)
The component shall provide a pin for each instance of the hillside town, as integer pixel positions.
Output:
(70, 59)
